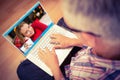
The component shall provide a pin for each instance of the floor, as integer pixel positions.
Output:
(10, 12)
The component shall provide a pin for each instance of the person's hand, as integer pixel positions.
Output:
(49, 58)
(61, 41)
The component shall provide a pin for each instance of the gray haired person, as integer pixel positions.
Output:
(99, 24)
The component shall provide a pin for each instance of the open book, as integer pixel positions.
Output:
(43, 27)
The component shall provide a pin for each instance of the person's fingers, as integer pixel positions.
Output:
(58, 46)
(53, 36)
(55, 42)
(53, 51)
(47, 50)
(40, 56)
(42, 52)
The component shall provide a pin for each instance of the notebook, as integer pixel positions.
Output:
(31, 52)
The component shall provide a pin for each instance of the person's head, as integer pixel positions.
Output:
(98, 17)
(24, 30)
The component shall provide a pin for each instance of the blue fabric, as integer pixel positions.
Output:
(28, 71)
(113, 75)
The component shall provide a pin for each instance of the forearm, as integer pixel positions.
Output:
(76, 42)
(57, 73)
(79, 41)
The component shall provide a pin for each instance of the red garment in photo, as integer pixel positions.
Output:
(38, 28)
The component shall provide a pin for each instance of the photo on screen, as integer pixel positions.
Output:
(24, 33)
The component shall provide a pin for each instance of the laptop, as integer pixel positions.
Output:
(31, 52)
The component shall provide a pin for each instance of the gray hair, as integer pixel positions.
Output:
(106, 12)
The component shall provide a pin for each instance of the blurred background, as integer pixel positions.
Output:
(10, 12)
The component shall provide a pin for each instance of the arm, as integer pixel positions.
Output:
(51, 60)
(61, 41)
(57, 73)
